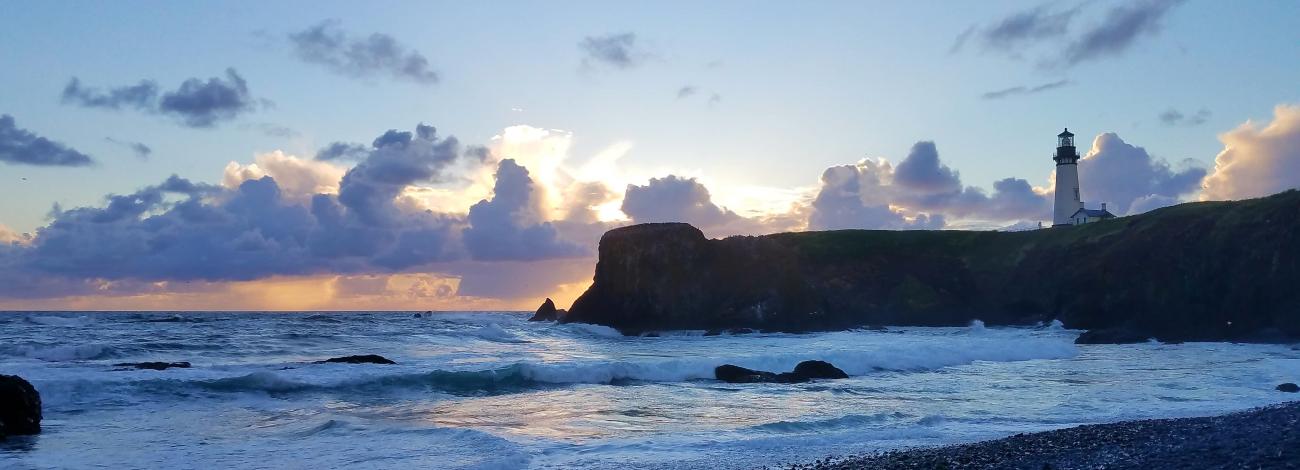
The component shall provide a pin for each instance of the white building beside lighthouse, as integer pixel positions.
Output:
(1069, 208)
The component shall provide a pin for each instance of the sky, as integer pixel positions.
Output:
(468, 155)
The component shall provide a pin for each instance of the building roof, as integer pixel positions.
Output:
(1067, 133)
(1100, 213)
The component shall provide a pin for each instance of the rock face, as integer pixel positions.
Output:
(362, 359)
(1204, 271)
(154, 365)
(20, 407)
(803, 372)
(1288, 387)
(546, 312)
(1111, 336)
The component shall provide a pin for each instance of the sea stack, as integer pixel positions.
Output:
(546, 312)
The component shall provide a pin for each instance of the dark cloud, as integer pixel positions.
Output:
(396, 159)
(328, 45)
(616, 50)
(921, 171)
(140, 96)
(686, 91)
(21, 146)
(1121, 28)
(140, 150)
(1028, 26)
(199, 103)
(1174, 117)
(342, 151)
(195, 103)
(1119, 173)
(1046, 31)
(510, 226)
(180, 230)
(1021, 90)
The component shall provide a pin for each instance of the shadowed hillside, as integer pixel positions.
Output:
(1196, 271)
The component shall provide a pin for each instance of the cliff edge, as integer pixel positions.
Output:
(1197, 271)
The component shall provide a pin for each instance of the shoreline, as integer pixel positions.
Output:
(1260, 438)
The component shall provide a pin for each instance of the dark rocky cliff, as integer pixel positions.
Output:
(1197, 271)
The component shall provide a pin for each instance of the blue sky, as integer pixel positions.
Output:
(782, 91)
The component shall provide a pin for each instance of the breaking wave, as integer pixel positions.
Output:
(525, 375)
(52, 320)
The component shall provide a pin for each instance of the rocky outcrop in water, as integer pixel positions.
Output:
(1198, 271)
(361, 359)
(803, 372)
(1119, 335)
(546, 312)
(20, 407)
(153, 365)
(1288, 388)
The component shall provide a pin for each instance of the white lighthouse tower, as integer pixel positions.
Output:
(1067, 179)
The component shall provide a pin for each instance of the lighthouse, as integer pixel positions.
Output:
(1068, 201)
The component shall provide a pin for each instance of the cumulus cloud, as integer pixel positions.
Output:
(328, 45)
(1021, 90)
(920, 193)
(195, 103)
(140, 150)
(1174, 117)
(850, 198)
(299, 180)
(1257, 161)
(342, 151)
(618, 50)
(23, 147)
(686, 91)
(674, 199)
(1119, 173)
(510, 226)
(285, 216)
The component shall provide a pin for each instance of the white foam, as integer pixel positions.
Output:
(593, 330)
(494, 332)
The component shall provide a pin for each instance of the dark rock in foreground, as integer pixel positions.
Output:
(546, 312)
(362, 359)
(1111, 336)
(1288, 387)
(1263, 438)
(154, 365)
(20, 407)
(1204, 271)
(803, 372)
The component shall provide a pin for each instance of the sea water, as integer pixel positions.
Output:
(492, 390)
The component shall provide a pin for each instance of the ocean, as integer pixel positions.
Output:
(489, 390)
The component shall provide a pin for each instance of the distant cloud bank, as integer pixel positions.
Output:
(467, 219)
